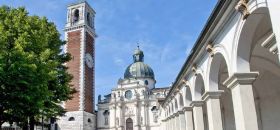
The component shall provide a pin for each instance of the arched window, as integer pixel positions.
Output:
(106, 116)
(129, 124)
(88, 19)
(106, 120)
(89, 120)
(76, 16)
(71, 119)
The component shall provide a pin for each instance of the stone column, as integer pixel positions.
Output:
(198, 115)
(137, 114)
(167, 124)
(112, 116)
(119, 112)
(189, 118)
(182, 120)
(163, 124)
(243, 100)
(273, 7)
(172, 122)
(143, 120)
(177, 121)
(213, 109)
(146, 107)
(121, 119)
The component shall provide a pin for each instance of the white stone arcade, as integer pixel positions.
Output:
(230, 81)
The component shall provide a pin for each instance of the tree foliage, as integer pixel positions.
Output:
(33, 77)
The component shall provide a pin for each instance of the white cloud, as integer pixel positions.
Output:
(119, 62)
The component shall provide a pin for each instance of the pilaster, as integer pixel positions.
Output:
(182, 120)
(198, 115)
(241, 85)
(177, 121)
(213, 109)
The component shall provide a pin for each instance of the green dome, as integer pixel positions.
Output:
(138, 69)
(138, 52)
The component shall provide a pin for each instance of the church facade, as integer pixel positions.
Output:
(135, 102)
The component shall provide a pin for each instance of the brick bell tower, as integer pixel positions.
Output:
(80, 36)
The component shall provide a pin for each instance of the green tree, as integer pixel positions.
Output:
(33, 75)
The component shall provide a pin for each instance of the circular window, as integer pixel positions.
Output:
(146, 82)
(128, 94)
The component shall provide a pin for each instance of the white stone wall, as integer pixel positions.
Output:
(80, 121)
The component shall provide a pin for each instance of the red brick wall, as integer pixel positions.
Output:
(89, 75)
(73, 47)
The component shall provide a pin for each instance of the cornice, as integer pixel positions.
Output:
(212, 95)
(197, 103)
(187, 109)
(241, 79)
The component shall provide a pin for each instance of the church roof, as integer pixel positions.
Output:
(138, 69)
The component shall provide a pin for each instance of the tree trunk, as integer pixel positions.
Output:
(1, 116)
(25, 126)
(32, 123)
(1, 123)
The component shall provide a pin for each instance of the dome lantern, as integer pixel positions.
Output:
(138, 69)
(138, 55)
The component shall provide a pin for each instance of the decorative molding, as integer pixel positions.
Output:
(196, 103)
(242, 7)
(186, 82)
(212, 95)
(73, 28)
(82, 71)
(176, 90)
(270, 44)
(194, 69)
(210, 49)
(241, 78)
(187, 109)
(180, 112)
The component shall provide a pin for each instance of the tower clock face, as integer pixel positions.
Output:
(89, 60)
(128, 94)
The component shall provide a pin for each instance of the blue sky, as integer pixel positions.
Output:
(165, 29)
